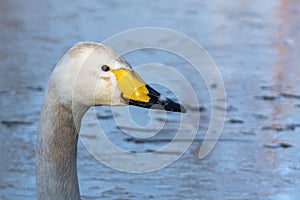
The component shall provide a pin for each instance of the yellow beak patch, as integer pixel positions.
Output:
(131, 85)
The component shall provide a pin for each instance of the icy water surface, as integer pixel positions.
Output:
(256, 47)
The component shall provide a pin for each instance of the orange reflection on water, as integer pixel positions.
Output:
(286, 73)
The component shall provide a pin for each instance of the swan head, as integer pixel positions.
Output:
(92, 74)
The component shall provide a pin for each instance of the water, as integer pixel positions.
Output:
(256, 48)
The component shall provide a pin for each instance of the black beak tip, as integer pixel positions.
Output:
(170, 105)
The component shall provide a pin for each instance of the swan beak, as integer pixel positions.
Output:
(134, 91)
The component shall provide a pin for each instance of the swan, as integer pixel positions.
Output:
(89, 74)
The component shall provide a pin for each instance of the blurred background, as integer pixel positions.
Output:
(254, 43)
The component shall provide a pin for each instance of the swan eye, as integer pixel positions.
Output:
(105, 68)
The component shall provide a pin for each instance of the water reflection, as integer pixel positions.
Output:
(286, 72)
(254, 43)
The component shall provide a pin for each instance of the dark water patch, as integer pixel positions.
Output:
(297, 105)
(267, 87)
(4, 92)
(191, 12)
(120, 127)
(101, 116)
(35, 88)
(236, 121)
(141, 141)
(274, 127)
(196, 108)
(297, 167)
(229, 108)
(267, 97)
(275, 87)
(115, 190)
(167, 140)
(12, 123)
(247, 132)
(160, 152)
(213, 86)
(292, 96)
(11, 23)
(47, 39)
(275, 144)
(292, 127)
(8, 185)
(260, 116)
(278, 127)
(91, 197)
(17, 170)
(160, 119)
(89, 136)
(149, 150)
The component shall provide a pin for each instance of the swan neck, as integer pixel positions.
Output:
(57, 149)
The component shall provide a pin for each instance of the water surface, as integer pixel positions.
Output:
(255, 45)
